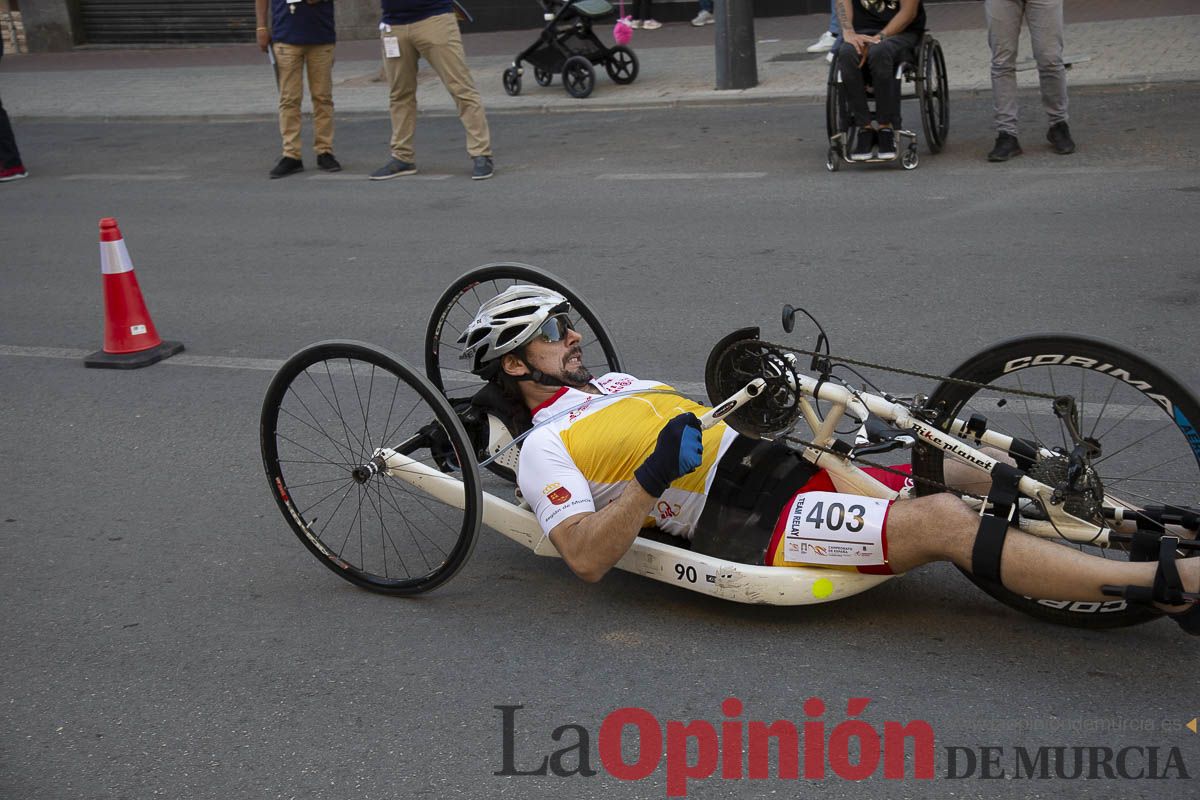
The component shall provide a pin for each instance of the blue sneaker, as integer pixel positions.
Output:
(394, 168)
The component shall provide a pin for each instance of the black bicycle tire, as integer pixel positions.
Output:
(440, 409)
(999, 359)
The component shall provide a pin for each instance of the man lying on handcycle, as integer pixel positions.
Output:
(596, 472)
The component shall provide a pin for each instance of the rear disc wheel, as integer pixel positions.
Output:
(1140, 416)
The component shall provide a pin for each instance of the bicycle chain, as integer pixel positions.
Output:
(830, 359)
(898, 371)
(893, 470)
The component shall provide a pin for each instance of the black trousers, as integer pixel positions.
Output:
(881, 63)
(9, 155)
(754, 481)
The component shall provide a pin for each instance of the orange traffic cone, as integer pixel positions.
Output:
(130, 339)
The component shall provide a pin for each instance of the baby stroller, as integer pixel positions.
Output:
(568, 45)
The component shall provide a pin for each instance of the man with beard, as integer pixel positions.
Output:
(614, 454)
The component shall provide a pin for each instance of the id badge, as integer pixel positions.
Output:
(391, 47)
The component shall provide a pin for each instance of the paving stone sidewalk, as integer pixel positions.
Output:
(1124, 51)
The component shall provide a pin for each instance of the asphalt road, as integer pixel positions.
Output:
(166, 635)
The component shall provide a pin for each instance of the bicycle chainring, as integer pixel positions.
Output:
(777, 408)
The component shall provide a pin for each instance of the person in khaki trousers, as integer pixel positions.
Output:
(415, 29)
(301, 34)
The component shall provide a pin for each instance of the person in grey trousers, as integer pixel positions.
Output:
(1045, 21)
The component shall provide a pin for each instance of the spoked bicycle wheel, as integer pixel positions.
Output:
(326, 412)
(1142, 419)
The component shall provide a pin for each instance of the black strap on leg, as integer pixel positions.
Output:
(1168, 586)
(994, 522)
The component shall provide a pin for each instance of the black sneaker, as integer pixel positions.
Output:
(287, 166)
(886, 139)
(1006, 147)
(483, 168)
(327, 162)
(1059, 137)
(864, 144)
(394, 168)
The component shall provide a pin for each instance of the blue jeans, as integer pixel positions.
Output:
(706, 5)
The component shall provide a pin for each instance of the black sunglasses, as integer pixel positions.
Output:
(555, 328)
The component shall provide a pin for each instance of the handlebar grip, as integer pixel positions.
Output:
(733, 403)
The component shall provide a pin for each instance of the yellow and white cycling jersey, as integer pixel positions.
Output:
(586, 451)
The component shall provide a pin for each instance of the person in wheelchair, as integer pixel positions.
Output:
(877, 34)
(596, 473)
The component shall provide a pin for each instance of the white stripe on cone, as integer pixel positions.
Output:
(114, 258)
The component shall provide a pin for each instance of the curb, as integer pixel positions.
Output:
(803, 98)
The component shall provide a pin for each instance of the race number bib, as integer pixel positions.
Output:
(835, 530)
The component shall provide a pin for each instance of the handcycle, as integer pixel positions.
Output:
(377, 467)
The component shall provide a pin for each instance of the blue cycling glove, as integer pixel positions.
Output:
(679, 450)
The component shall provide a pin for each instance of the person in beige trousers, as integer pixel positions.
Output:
(301, 33)
(415, 29)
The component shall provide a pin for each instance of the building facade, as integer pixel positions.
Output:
(62, 24)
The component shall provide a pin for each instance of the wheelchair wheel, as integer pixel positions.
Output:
(833, 159)
(622, 65)
(578, 77)
(512, 81)
(837, 112)
(909, 158)
(542, 76)
(326, 411)
(1141, 417)
(933, 93)
(457, 307)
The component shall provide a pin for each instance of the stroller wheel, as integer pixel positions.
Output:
(578, 77)
(542, 76)
(512, 81)
(622, 65)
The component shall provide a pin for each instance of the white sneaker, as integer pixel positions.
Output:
(824, 44)
(651, 25)
(704, 18)
(634, 23)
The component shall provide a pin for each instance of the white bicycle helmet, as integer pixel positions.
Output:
(507, 321)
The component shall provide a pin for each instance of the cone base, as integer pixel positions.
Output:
(142, 358)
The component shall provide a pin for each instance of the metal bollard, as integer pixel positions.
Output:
(737, 66)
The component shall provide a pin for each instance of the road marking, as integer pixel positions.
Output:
(681, 176)
(181, 360)
(433, 176)
(105, 176)
(42, 352)
(686, 388)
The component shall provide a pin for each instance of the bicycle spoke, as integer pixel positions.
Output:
(321, 428)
